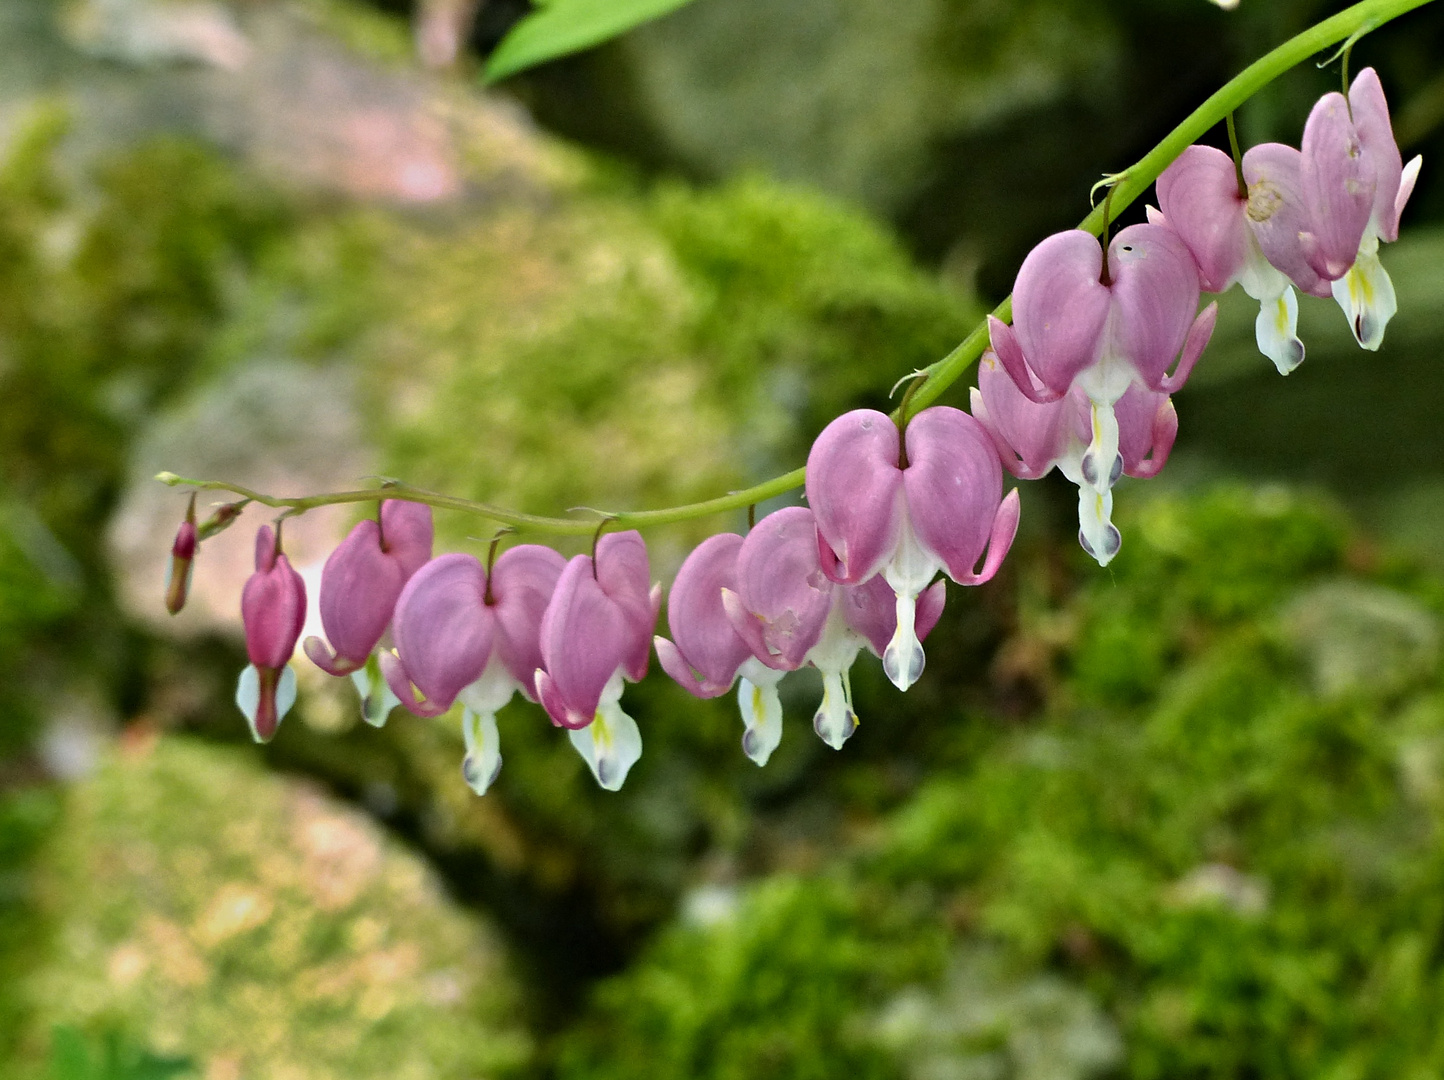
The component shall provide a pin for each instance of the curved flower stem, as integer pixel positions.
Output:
(1352, 22)
(1347, 25)
(522, 523)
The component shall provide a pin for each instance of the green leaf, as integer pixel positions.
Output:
(559, 27)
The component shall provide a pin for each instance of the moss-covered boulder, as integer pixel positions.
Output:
(258, 927)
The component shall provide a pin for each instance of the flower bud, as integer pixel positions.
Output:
(182, 561)
(273, 609)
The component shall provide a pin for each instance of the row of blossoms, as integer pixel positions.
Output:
(1081, 381)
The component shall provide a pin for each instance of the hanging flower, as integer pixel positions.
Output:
(273, 609)
(1355, 186)
(462, 635)
(1075, 325)
(708, 655)
(360, 584)
(596, 633)
(1032, 438)
(907, 508)
(1249, 237)
(790, 613)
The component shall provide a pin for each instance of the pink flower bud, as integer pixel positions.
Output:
(273, 609)
(182, 560)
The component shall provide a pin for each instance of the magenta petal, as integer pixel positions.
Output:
(1030, 437)
(1005, 527)
(781, 586)
(1277, 214)
(1376, 136)
(871, 610)
(675, 665)
(1199, 197)
(273, 606)
(953, 484)
(443, 629)
(400, 682)
(1144, 419)
(407, 530)
(1060, 308)
(557, 706)
(930, 608)
(1193, 345)
(325, 659)
(749, 628)
(625, 575)
(265, 548)
(586, 637)
(705, 639)
(1339, 186)
(1155, 298)
(1010, 354)
(359, 589)
(853, 487)
(522, 583)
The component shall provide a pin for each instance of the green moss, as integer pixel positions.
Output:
(288, 938)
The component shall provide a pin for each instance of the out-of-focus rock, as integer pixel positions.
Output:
(279, 428)
(289, 940)
(139, 32)
(987, 1021)
(1357, 636)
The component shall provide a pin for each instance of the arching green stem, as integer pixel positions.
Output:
(1348, 25)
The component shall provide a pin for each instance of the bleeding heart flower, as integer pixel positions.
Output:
(597, 631)
(790, 613)
(709, 656)
(463, 636)
(360, 584)
(1031, 438)
(273, 609)
(908, 515)
(1251, 237)
(182, 562)
(1355, 187)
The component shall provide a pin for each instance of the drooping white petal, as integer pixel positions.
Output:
(1102, 464)
(377, 700)
(1367, 295)
(611, 743)
(483, 750)
(833, 655)
(761, 709)
(835, 720)
(910, 571)
(1277, 330)
(248, 695)
(1096, 531)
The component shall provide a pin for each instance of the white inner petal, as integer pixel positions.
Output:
(1276, 330)
(761, 710)
(611, 743)
(495, 687)
(377, 700)
(1366, 295)
(483, 750)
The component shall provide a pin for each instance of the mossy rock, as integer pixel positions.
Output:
(252, 924)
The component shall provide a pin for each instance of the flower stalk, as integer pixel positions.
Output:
(1347, 26)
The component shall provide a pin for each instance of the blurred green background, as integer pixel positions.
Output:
(1180, 818)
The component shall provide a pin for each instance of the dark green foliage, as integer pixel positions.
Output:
(74, 1057)
(775, 988)
(1236, 854)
